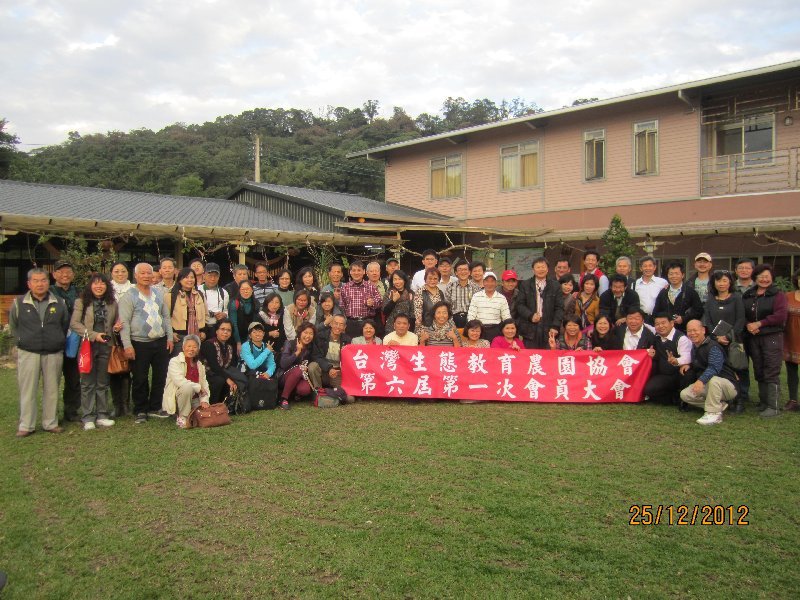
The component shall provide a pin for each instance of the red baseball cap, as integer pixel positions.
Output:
(510, 275)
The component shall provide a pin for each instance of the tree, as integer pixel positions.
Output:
(617, 242)
(7, 143)
(580, 101)
(84, 263)
(189, 185)
(370, 109)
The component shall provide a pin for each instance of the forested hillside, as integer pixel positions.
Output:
(299, 148)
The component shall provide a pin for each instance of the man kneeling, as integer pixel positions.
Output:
(325, 367)
(716, 382)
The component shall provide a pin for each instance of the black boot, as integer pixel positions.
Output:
(762, 396)
(738, 406)
(772, 409)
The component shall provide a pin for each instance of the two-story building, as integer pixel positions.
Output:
(711, 165)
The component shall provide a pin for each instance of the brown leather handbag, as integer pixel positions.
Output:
(215, 415)
(117, 361)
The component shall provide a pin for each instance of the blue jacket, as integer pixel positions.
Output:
(258, 359)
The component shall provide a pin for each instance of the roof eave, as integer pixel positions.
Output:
(381, 151)
(65, 225)
(254, 187)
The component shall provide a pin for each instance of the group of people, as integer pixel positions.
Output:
(192, 342)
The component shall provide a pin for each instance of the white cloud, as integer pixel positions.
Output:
(95, 65)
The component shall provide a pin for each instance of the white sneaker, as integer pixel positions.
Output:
(88, 426)
(710, 419)
(181, 422)
(105, 422)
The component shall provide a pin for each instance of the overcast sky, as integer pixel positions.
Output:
(100, 65)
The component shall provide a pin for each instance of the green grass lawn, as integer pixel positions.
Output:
(396, 500)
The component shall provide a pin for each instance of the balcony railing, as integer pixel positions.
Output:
(750, 172)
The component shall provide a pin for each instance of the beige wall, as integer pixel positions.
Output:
(561, 164)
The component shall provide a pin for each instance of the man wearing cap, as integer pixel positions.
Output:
(64, 275)
(38, 322)
(703, 266)
(489, 306)
(509, 289)
(446, 271)
(392, 264)
(216, 298)
(459, 293)
(540, 307)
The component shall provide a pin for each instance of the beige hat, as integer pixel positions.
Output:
(705, 255)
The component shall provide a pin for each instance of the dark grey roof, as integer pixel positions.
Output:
(338, 202)
(70, 202)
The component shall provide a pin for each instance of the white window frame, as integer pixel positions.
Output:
(645, 127)
(593, 135)
(450, 160)
(518, 155)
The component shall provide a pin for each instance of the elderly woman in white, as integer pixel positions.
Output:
(186, 387)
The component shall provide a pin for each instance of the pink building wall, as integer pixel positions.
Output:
(563, 200)
(561, 182)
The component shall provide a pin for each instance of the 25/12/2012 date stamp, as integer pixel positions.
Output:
(682, 514)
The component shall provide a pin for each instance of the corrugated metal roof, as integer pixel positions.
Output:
(339, 203)
(70, 202)
(531, 119)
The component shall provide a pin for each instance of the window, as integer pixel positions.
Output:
(753, 136)
(645, 148)
(519, 165)
(594, 146)
(446, 176)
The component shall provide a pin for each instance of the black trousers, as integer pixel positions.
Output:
(218, 384)
(490, 332)
(766, 352)
(72, 388)
(664, 388)
(147, 395)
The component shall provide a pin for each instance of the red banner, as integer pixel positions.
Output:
(492, 374)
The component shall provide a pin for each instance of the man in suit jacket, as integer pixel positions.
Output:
(540, 308)
(616, 301)
(635, 334)
(679, 299)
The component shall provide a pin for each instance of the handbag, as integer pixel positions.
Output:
(85, 356)
(215, 415)
(117, 361)
(234, 402)
(737, 357)
(73, 344)
(262, 394)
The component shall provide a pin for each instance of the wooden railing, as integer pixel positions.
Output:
(749, 172)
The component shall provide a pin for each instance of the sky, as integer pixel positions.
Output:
(105, 65)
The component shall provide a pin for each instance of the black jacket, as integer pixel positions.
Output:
(527, 306)
(33, 334)
(647, 339)
(687, 305)
(608, 304)
(320, 348)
